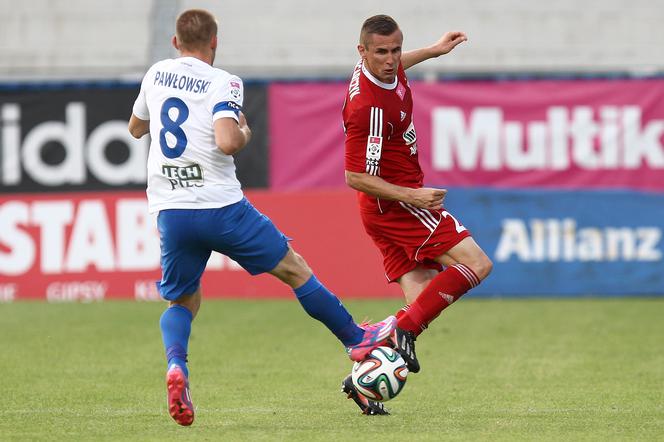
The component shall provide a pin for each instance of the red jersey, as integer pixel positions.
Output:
(380, 134)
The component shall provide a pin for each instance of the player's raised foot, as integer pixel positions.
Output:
(370, 408)
(375, 335)
(179, 401)
(404, 344)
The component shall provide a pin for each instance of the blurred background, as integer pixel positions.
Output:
(547, 127)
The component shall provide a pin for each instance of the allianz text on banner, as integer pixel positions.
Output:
(546, 242)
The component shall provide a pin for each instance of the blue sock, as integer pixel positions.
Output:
(323, 305)
(175, 325)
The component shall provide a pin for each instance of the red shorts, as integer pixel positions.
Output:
(408, 236)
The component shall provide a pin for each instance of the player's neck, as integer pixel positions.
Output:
(390, 84)
(205, 57)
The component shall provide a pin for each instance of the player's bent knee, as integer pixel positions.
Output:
(293, 269)
(482, 266)
(479, 263)
(298, 264)
(300, 271)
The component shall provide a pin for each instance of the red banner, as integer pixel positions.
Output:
(558, 134)
(92, 246)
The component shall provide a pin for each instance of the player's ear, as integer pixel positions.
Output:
(174, 42)
(213, 43)
(362, 51)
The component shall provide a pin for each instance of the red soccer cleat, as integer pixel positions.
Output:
(179, 401)
(375, 335)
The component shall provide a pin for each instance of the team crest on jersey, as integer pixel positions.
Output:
(235, 89)
(401, 90)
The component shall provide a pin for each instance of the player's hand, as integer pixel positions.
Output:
(448, 42)
(428, 198)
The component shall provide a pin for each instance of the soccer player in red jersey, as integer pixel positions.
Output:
(426, 250)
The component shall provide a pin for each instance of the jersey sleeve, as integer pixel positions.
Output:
(140, 108)
(364, 140)
(227, 100)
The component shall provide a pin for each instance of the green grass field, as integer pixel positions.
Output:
(262, 370)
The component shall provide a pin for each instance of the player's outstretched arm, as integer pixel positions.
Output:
(231, 136)
(443, 46)
(137, 127)
(423, 198)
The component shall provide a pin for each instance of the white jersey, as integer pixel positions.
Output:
(182, 98)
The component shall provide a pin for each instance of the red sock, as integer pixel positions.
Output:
(448, 286)
(401, 311)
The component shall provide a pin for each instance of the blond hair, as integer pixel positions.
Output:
(195, 28)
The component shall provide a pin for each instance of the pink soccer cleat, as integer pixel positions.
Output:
(179, 401)
(375, 335)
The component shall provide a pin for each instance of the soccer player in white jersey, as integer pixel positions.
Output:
(193, 113)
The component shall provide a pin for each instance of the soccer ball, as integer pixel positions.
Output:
(381, 375)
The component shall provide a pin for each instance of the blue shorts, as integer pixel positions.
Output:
(188, 237)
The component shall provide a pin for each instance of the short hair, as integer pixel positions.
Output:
(195, 28)
(378, 24)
